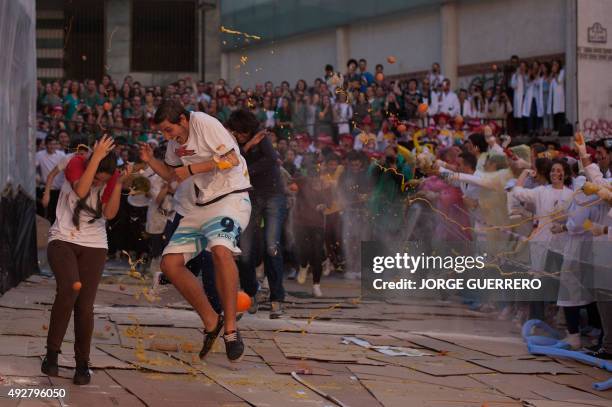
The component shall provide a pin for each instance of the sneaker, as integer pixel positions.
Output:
(254, 305)
(210, 338)
(234, 347)
(292, 274)
(302, 275)
(276, 310)
(328, 267)
(81, 374)
(573, 340)
(601, 354)
(316, 290)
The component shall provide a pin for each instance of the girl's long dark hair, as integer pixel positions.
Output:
(108, 165)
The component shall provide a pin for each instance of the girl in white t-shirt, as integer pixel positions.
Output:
(77, 250)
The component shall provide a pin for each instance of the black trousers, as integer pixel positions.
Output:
(311, 244)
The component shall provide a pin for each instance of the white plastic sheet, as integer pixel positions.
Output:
(17, 94)
(385, 350)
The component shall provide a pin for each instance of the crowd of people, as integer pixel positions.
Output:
(331, 165)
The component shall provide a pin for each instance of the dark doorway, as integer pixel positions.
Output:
(164, 36)
(84, 39)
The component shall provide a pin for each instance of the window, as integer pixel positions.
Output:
(163, 36)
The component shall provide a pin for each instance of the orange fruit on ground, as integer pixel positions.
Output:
(77, 286)
(423, 108)
(401, 128)
(293, 187)
(380, 77)
(243, 301)
(107, 106)
(391, 59)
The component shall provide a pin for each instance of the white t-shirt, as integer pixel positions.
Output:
(156, 217)
(89, 234)
(184, 197)
(207, 138)
(47, 162)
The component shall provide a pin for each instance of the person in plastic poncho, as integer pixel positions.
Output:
(599, 222)
(576, 278)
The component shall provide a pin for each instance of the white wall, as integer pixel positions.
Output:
(489, 30)
(492, 30)
(302, 57)
(594, 75)
(413, 38)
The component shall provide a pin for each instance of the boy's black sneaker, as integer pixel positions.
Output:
(234, 347)
(210, 338)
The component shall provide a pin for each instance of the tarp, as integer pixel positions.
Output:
(17, 146)
(17, 93)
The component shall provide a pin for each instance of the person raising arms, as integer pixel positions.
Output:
(77, 250)
(200, 148)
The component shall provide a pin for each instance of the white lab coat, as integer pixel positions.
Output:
(448, 103)
(518, 84)
(533, 89)
(467, 109)
(556, 95)
(433, 106)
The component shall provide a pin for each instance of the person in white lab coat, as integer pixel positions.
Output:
(556, 97)
(448, 102)
(601, 223)
(576, 278)
(518, 85)
(465, 107)
(533, 105)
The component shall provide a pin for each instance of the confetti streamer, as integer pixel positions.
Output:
(223, 29)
